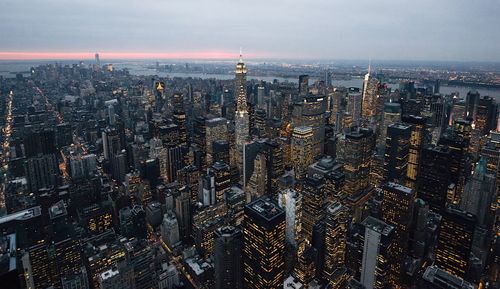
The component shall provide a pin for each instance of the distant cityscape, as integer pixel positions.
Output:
(232, 174)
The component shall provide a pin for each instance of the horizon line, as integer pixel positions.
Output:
(189, 55)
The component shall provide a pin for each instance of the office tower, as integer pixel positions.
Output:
(397, 146)
(42, 171)
(190, 176)
(263, 245)
(454, 247)
(392, 114)
(222, 179)
(302, 141)
(303, 85)
(491, 151)
(64, 135)
(179, 117)
(139, 255)
(305, 268)
(133, 222)
(376, 261)
(82, 166)
(415, 151)
(313, 204)
(291, 202)
(356, 152)
(110, 143)
(256, 186)
(241, 116)
(336, 224)
(485, 119)
(458, 110)
(119, 167)
(435, 176)
(221, 151)
(97, 60)
(337, 109)
(183, 212)
(397, 211)
(457, 142)
(437, 278)
(228, 260)
(370, 94)
(275, 164)
(354, 103)
(96, 218)
(216, 129)
(480, 195)
(311, 112)
(169, 229)
(419, 243)
(471, 102)
(215, 182)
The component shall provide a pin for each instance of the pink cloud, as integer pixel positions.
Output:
(12, 55)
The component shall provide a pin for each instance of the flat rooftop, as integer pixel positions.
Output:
(377, 226)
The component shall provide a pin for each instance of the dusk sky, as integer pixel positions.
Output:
(462, 30)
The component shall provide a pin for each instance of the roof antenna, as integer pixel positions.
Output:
(241, 54)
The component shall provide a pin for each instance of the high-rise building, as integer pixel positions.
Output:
(370, 94)
(415, 151)
(228, 259)
(491, 152)
(216, 129)
(263, 245)
(183, 212)
(391, 115)
(256, 186)
(335, 241)
(454, 247)
(311, 112)
(303, 85)
(290, 201)
(436, 278)
(356, 153)
(313, 204)
(480, 195)
(434, 177)
(376, 261)
(170, 229)
(397, 211)
(302, 139)
(241, 117)
(397, 145)
(111, 143)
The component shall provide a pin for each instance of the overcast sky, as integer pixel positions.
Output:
(321, 29)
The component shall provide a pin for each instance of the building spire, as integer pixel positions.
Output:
(369, 65)
(241, 55)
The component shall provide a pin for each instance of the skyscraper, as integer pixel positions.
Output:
(415, 151)
(397, 211)
(454, 247)
(335, 241)
(228, 260)
(263, 245)
(377, 245)
(241, 116)
(435, 177)
(397, 145)
(302, 138)
(313, 204)
(357, 155)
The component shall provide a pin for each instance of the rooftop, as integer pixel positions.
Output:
(265, 208)
(377, 226)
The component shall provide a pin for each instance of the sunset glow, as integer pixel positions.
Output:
(122, 55)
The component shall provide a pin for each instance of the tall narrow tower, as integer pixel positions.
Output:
(241, 116)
